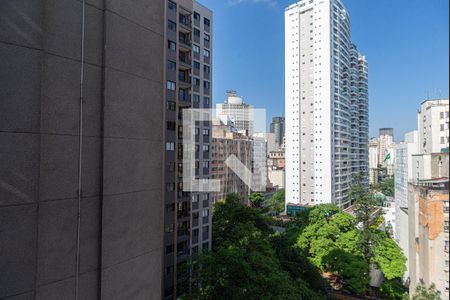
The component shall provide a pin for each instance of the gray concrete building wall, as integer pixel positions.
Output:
(120, 205)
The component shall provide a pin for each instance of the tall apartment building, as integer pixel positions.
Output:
(188, 77)
(81, 149)
(433, 126)
(403, 175)
(277, 127)
(325, 80)
(428, 212)
(237, 111)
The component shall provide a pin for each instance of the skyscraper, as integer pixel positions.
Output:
(326, 104)
(277, 128)
(188, 76)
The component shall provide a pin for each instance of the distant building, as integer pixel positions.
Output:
(277, 128)
(240, 113)
(373, 160)
(403, 175)
(386, 150)
(276, 169)
(269, 138)
(227, 141)
(433, 126)
(428, 212)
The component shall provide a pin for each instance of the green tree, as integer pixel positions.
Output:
(364, 207)
(389, 257)
(277, 202)
(256, 199)
(386, 187)
(393, 290)
(424, 293)
(245, 262)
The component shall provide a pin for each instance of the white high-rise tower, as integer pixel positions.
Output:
(326, 104)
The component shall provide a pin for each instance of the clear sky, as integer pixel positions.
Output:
(405, 42)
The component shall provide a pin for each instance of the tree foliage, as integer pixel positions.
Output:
(256, 199)
(386, 187)
(389, 257)
(277, 202)
(424, 293)
(364, 207)
(393, 289)
(250, 261)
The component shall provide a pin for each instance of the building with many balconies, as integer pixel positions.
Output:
(326, 104)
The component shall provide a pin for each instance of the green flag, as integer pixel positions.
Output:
(388, 157)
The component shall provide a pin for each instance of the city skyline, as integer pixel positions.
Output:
(390, 89)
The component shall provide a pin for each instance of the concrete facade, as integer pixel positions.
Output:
(119, 196)
(428, 213)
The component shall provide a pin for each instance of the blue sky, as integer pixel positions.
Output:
(405, 42)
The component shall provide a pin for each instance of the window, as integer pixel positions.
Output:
(169, 228)
(196, 98)
(196, 65)
(441, 114)
(205, 165)
(196, 49)
(171, 105)
(196, 16)
(169, 249)
(171, 125)
(205, 53)
(206, 132)
(170, 146)
(171, 85)
(171, 5)
(197, 131)
(196, 32)
(172, 66)
(206, 69)
(169, 270)
(442, 139)
(446, 245)
(196, 81)
(206, 100)
(170, 187)
(442, 127)
(205, 148)
(206, 22)
(182, 95)
(206, 84)
(446, 207)
(206, 38)
(205, 213)
(172, 45)
(446, 226)
(171, 25)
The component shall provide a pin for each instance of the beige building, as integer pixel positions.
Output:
(428, 213)
(276, 169)
(433, 126)
(226, 142)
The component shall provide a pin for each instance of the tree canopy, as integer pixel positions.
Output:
(250, 261)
